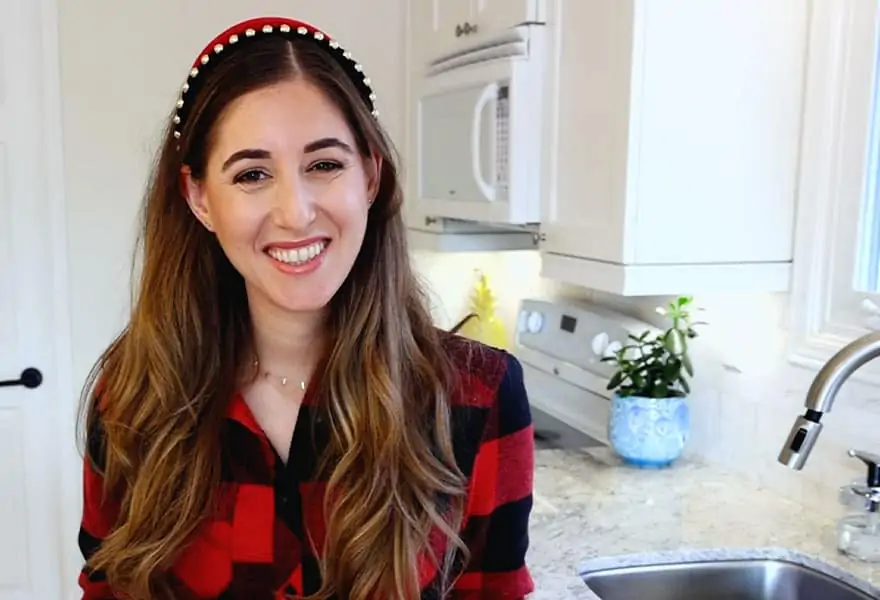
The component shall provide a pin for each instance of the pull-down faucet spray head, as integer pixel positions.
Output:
(820, 397)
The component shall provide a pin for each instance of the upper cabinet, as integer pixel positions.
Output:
(447, 26)
(672, 137)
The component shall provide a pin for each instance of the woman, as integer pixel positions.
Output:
(280, 418)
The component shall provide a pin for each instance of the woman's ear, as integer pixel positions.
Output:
(194, 193)
(373, 168)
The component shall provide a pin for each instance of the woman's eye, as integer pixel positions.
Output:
(325, 166)
(251, 176)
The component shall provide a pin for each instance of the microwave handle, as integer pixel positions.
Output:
(490, 92)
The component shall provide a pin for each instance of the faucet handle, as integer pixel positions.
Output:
(872, 461)
(868, 493)
(870, 497)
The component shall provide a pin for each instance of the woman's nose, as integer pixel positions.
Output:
(294, 207)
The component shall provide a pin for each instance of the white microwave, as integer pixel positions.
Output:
(478, 125)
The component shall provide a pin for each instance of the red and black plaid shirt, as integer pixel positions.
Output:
(256, 546)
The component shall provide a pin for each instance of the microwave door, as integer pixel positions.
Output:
(458, 144)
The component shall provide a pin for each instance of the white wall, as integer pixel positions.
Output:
(121, 66)
(746, 394)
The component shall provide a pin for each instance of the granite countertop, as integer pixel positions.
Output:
(589, 506)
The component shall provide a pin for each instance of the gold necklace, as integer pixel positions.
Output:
(281, 379)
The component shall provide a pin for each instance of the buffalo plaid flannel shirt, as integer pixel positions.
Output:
(256, 546)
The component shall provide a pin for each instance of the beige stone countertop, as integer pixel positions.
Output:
(589, 506)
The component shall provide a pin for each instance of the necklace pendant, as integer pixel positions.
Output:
(282, 380)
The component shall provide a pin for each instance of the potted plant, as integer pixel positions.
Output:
(650, 419)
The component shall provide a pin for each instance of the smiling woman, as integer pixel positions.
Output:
(280, 418)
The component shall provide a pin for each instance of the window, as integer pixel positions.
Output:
(836, 286)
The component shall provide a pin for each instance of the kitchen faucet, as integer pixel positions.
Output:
(821, 395)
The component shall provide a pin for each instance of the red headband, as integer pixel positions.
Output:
(259, 27)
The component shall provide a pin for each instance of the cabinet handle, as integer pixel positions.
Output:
(469, 29)
(459, 30)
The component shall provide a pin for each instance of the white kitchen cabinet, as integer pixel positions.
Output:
(447, 26)
(672, 136)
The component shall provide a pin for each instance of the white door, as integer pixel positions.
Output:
(34, 442)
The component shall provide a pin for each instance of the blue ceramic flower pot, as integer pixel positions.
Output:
(648, 432)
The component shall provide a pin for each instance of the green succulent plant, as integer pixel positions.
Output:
(657, 365)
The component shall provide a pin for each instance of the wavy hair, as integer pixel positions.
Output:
(160, 391)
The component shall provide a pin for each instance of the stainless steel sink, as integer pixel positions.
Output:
(761, 579)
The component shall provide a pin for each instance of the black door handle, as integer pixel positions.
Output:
(30, 378)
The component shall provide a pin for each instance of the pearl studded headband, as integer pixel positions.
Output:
(251, 29)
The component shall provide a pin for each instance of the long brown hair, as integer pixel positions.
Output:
(164, 383)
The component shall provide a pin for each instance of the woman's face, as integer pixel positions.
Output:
(287, 194)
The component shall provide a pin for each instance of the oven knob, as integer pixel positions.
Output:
(535, 322)
(600, 342)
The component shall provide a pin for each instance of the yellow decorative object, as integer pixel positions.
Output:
(486, 327)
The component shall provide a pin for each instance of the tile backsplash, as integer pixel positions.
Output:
(746, 392)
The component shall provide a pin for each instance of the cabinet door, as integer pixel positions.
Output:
(494, 16)
(587, 135)
(440, 25)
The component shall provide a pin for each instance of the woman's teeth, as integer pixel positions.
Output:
(298, 256)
